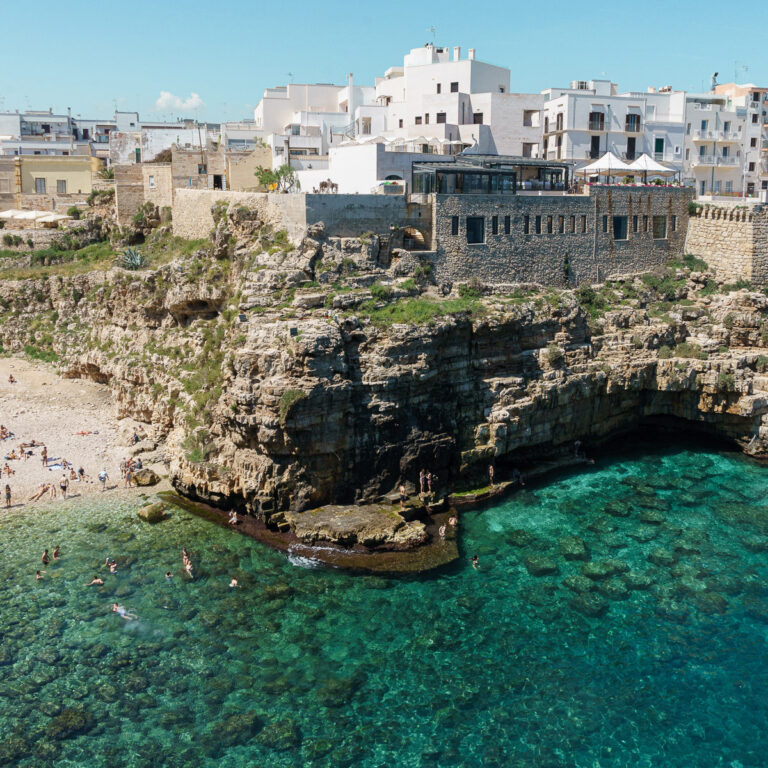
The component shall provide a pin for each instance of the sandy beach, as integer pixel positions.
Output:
(44, 407)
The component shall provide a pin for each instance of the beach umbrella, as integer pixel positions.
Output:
(608, 164)
(646, 164)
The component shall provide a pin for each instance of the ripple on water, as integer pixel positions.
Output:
(617, 618)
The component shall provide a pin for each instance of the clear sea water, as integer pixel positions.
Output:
(307, 666)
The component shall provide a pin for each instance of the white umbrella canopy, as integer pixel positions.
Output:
(608, 164)
(647, 164)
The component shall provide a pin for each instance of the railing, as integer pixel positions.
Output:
(596, 125)
(591, 154)
(716, 135)
(630, 156)
(714, 160)
(633, 127)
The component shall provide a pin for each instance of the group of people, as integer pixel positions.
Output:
(46, 560)
(128, 468)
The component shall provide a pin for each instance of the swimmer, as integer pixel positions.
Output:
(57, 553)
(45, 558)
(122, 613)
(113, 567)
(453, 521)
(233, 583)
(441, 531)
(7, 496)
(39, 575)
(96, 580)
(474, 561)
(168, 575)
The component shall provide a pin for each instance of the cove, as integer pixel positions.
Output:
(304, 665)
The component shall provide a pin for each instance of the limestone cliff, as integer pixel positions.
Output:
(285, 378)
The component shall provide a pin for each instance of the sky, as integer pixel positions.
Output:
(212, 60)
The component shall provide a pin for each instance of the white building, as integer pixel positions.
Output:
(39, 133)
(590, 118)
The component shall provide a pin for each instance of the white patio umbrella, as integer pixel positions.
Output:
(608, 164)
(645, 165)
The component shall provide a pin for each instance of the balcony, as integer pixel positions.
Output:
(727, 137)
(714, 160)
(596, 125)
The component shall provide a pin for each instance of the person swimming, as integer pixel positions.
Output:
(233, 583)
(45, 558)
(96, 580)
(475, 562)
(57, 553)
(122, 613)
(168, 575)
(39, 575)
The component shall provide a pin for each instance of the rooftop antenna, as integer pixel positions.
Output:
(432, 30)
(290, 75)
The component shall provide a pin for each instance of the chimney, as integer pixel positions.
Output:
(351, 106)
(471, 54)
(456, 52)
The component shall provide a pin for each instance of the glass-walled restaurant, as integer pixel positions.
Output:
(489, 175)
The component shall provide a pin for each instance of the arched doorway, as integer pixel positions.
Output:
(414, 240)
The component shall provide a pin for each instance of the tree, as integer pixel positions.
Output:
(283, 179)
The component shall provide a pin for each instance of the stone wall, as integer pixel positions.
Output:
(58, 203)
(733, 241)
(129, 192)
(158, 184)
(41, 238)
(557, 240)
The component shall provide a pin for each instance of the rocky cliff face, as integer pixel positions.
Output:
(284, 378)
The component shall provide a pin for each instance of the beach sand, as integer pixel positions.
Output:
(45, 407)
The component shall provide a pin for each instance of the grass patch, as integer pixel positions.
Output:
(686, 349)
(416, 311)
(287, 400)
(46, 355)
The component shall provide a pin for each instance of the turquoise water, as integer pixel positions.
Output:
(305, 666)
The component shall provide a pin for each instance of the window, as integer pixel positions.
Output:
(751, 167)
(39, 186)
(596, 121)
(454, 225)
(440, 117)
(454, 87)
(635, 220)
(495, 225)
(477, 118)
(702, 187)
(295, 130)
(687, 154)
(753, 141)
(573, 225)
(703, 125)
(619, 227)
(688, 129)
(546, 125)
(507, 224)
(526, 225)
(754, 118)
(138, 154)
(561, 224)
(583, 223)
(475, 229)
(530, 118)
(559, 122)
(501, 89)
(417, 121)
(151, 182)
(538, 225)
(727, 126)
(201, 169)
(632, 123)
(61, 187)
(725, 151)
(366, 126)
(439, 87)
(528, 149)
(659, 227)
(549, 225)
(400, 123)
(605, 223)
(426, 119)
(728, 186)
(674, 223)
(645, 223)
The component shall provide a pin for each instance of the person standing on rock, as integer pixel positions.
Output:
(441, 531)
(490, 474)
(403, 497)
(429, 483)
(422, 480)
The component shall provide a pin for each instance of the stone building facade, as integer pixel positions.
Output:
(129, 192)
(733, 241)
(561, 240)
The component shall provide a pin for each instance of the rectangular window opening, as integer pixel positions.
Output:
(526, 225)
(454, 225)
(583, 223)
(507, 224)
(475, 229)
(619, 227)
(573, 225)
(561, 224)
(61, 187)
(538, 225)
(659, 227)
(495, 225)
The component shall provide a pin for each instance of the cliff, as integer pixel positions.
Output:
(288, 378)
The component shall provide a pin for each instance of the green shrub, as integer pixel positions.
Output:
(471, 290)
(726, 381)
(7, 239)
(380, 292)
(728, 321)
(761, 364)
(686, 349)
(695, 264)
(74, 212)
(287, 400)
(693, 208)
(46, 355)
(665, 353)
(131, 258)
(408, 285)
(555, 355)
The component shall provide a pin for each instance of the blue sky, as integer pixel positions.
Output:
(95, 56)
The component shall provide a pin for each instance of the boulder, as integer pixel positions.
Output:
(652, 517)
(540, 565)
(71, 722)
(153, 513)
(579, 583)
(603, 569)
(573, 548)
(145, 477)
(635, 580)
(662, 557)
(589, 604)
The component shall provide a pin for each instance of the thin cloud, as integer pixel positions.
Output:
(168, 102)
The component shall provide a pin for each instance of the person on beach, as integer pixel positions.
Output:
(81, 474)
(490, 474)
(46, 557)
(403, 497)
(453, 521)
(64, 485)
(39, 575)
(103, 477)
(233, 518)
(7, 496)
(429, 483)
(422, 481)
(128, 476)
(11, 380)
(56, 553)
(475, 562)
(96, 581)
(122, 613)
(441, 531)
(44, 456)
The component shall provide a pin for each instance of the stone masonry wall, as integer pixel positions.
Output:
(733, 241)
(576, 242)
(158, 184)
(129, 192)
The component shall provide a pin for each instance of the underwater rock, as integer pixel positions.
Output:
(652, 517)
(617, 508)
(671, 609)
(755, 543)
(578, 583)
(317, 748)
(521, 538)
(689, 543)
(153, 513)
(643, 535)
(614, 589)
(73, 721)
(540, 565)
(662, 557)
(589, 604)
(635, 580)
(12, 749)
(573, 548)
(602, 525)
(603, 569)
(280, 735)
(614, 541)
(711, 603)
